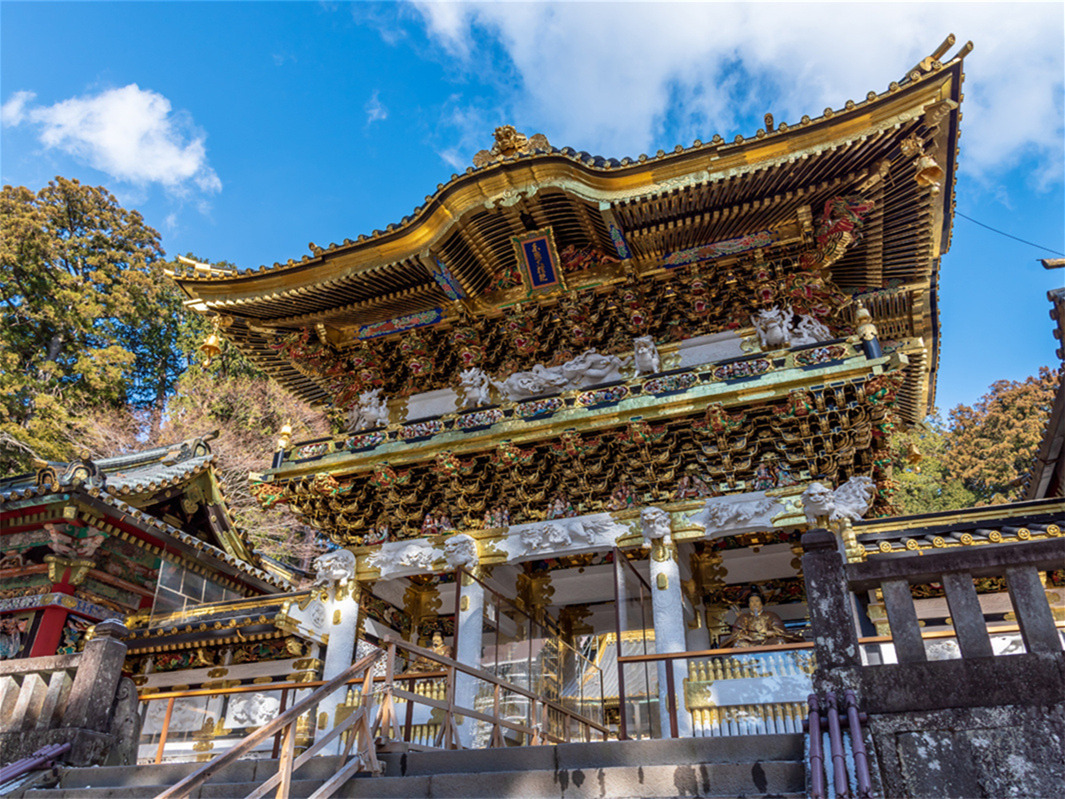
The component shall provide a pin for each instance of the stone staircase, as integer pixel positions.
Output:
(747, 766)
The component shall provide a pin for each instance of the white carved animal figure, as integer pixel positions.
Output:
(591, 368)
(587, 369)
(370, 411)
(526, 385)
(772, 327)
(783, 328)
(475, 386)
(336, 566)
(851, 500)
(460, 551)
(655, 523)
(809, 330)
(647, 360)
(418, 557)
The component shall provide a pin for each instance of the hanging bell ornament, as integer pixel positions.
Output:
(929, 173)
(211, 347)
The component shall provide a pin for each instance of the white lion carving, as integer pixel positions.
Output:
(850, 501)
(783, 328)
(334, 567)
(772, 328)
(475, 385)
(656, 523)
(370, 411)
(460, 551)
(647, 360)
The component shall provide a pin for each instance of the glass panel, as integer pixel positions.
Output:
(170, 575)
(179, 589)
(637, 683)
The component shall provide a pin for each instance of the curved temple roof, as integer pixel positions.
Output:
(641, 210)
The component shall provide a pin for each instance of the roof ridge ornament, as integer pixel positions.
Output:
(509, 142)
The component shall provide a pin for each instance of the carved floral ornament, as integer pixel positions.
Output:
(607, 321)
(829, 434)
(700, 297)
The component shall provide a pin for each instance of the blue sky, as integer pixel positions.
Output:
(244, 131)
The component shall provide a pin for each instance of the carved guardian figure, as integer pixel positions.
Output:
(334, 567)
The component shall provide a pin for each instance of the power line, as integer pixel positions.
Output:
(1007, 235)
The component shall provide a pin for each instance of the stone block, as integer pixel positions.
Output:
(472, 761)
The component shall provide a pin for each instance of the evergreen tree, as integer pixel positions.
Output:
(991, 445)
(921, 473)
(86, 316)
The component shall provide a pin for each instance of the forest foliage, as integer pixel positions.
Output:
(98, 353)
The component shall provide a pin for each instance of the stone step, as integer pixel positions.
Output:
(600, 754)
(769, 779)
(318, 768)
(763, 765)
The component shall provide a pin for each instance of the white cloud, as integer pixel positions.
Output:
(129, 133)
(610, 77)
(14, 110)
(375, 110)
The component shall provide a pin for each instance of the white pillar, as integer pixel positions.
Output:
(667, 602)
(342, 618)
(468, 635)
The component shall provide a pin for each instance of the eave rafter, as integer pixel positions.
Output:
(674, 201)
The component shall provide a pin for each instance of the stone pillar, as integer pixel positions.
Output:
(342, 614)
(667, 603)
(99, 670)
(828, 601)
(468, 637)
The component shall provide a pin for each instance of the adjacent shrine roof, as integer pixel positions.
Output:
(167, 498)
(446, 259)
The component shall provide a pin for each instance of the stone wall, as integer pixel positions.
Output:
(981, 726)
(80, 699)
(1007, 750)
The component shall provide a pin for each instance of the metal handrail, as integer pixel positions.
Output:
(366, 724)
(703, 653)
(285, 721)
(454, 665)
(275, 686)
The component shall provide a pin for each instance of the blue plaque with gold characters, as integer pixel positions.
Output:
(538, 261)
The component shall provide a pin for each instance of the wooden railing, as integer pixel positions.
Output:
(954, 570)
(535, 729)
(357, 723)
(376, 716)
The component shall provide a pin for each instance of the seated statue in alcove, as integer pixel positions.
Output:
(757, 626)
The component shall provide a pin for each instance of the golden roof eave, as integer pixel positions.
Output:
(606, 185)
